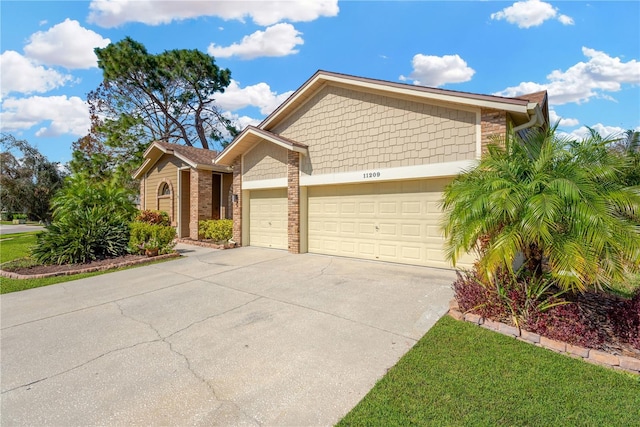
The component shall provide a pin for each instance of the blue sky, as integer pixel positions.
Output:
(586, 54)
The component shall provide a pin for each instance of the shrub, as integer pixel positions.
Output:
(150, 236)
(216, 229)
(154, 217)
(567, 323)
(625, 320)
(20, 216)
(90, 221)
(83, 237)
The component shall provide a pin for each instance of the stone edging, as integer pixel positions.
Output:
(12, 275)
(598, 357)
(203, 244)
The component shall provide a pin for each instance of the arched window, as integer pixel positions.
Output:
(164, 190)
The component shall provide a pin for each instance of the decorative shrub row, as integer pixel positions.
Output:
(151, 236)
(218, 230)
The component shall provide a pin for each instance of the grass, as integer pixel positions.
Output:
(459, 374)
(15, 246)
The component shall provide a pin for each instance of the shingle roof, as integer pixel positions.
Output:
(196, 155)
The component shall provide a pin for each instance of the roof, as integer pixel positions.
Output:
(197, 158)
(252, 135)
(520, 107)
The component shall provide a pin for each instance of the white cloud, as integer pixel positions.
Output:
(64, 115)
(554, 117)
(277, 40)
(259, 95)
(66, 44)
(241, 122)
(584, 80)
(604, 131)
(436, 71)
(20, 74)
(530, 13)
(112, 13)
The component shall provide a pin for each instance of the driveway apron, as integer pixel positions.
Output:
(249, 336)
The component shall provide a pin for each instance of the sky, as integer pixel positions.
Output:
(585, 54)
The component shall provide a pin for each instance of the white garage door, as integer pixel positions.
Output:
(268, 218)
(390, 221)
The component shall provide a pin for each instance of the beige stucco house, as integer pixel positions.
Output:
(184, 182)
(355, 167)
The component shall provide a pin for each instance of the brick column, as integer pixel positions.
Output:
(493, 123)
(200, 200)
(293, 201)
(236, 189)
(143, 201)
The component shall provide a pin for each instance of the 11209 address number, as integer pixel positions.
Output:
(367, 175)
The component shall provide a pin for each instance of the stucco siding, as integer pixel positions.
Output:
(265, 161)
(349, 130)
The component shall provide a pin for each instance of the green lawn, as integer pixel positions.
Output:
(459, 374)
(14, 246)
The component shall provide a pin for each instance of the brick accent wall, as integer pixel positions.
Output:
(236, 189)
(492, 123)
(142, 194)
(293, 201)
(200, 203)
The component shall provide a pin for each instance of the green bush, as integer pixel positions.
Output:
(20, 216)
(90, 221)
(151, 236)
(216, 229)
(154, 217)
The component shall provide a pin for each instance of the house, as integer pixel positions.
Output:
(184, 182)
(355, 167)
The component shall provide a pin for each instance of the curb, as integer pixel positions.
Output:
(596, 357)
(11, 275)
(203, 244)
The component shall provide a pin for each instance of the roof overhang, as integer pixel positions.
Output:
(251, 136)
(519, 108)
(155, 151)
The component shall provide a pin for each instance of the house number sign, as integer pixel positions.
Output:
(370, 175)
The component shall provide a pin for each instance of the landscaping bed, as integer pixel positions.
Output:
(22, 270)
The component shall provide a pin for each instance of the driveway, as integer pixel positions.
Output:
(19, 228)
(248, 336)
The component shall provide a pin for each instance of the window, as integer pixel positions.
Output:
(164, 190)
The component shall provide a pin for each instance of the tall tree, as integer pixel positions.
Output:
(169, 96)
(28, 180)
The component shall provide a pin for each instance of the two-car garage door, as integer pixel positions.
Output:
(397, 221)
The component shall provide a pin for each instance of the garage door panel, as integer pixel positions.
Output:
(390, 221)
(268, 218)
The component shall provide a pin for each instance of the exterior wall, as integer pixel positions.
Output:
(265, 161)
(293, 201)
(227, 184)
(185, 193)
(165, 170)
(494, 124)
(237, 205)
(348, 130)
(200, 199)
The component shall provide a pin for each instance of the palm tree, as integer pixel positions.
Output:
(561, 204)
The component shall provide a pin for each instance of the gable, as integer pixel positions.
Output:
(347, 130)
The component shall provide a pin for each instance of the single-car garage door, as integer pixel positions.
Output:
(395, 221)
(268, 218)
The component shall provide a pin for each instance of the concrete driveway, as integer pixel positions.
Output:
(19, 228)
(248, 336)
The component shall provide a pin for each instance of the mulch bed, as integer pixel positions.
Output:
(40, 271)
